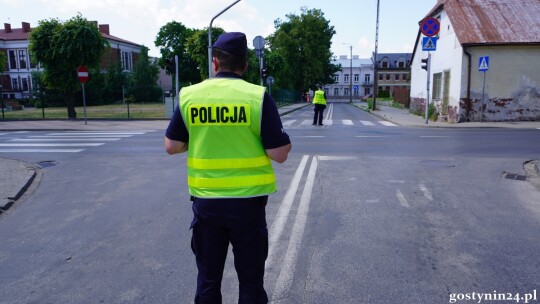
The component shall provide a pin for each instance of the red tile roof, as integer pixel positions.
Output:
(19, 34)
(493, 21)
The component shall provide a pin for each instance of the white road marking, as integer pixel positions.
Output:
(347, 122)
(328, 122)
(289, 122)
(369, 136)
(401, 198)
(52, 145)
(62, 139)
(287, 268)
(387, 123)
(434, 136)
(425, 190)
(367, 123)
(40, 150)
(284, 210)
(323, 157)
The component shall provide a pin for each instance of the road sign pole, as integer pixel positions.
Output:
(428, 82)
(84, 102)
(483, 90)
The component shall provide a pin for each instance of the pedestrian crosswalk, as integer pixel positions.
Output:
(291, 123)
(61, 142)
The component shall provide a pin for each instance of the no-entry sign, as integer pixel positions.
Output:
(82, 74)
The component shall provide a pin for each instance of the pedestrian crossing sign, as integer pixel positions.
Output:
(429, 43)
(483, 64)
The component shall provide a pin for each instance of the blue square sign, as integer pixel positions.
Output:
(483, 64)
(429, 43)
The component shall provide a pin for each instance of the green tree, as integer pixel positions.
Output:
(171, 40)
(115, 80)
(197, 47)
(3, 61)
(142, 81)
(301, 48)
(61, 48)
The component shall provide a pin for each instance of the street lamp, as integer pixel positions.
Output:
(350, 75)
(210, 38)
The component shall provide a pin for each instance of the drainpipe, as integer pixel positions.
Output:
(468, 102)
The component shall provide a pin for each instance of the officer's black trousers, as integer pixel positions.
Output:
(318, 116)
(241, 222)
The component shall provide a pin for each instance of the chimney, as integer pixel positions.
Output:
(7, 27)
(26, 27)
(104, 28)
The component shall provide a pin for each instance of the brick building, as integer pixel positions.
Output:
(16, 78)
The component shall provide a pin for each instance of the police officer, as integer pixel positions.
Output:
(233, 129)
(319, 100)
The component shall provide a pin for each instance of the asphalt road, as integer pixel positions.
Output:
(366, 212)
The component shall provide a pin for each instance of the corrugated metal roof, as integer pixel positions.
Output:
(493, 21)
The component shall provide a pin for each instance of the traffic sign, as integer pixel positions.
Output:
(259, 43)
(82, 74)
(430, 27)
(483, 64)
(429, 43)
(270, 80)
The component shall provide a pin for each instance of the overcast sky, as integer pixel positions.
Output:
(139, 21)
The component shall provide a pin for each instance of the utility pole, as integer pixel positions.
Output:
(350, 83)
(375, 65)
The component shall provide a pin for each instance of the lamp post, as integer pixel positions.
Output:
(375, 64)
(210, 38)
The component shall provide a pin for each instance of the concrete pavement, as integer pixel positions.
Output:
(16, 176)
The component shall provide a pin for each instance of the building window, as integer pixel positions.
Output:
(326, 91)
(346, 78)
(368, 91)
(404, 76)
(22, 59)
(14, 84)
(367, 78)
(336, 78)
(33, 65)
(381, 76)
(346, 92)
(356, 77)
(24, 84)
(355, 90)
(401, 63)
(437, 78)
(336, 91)
(12, 60)
(127, 60)
(387, 76)
(385, 63)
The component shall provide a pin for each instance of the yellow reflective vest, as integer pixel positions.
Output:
(226, 158)
(319, 97)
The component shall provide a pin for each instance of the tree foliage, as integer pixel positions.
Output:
(142, 82)
(61, 48)
(172, 40)
(197, 47)
(300, 48)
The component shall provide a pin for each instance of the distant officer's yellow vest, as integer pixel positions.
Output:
(226, 158)
(319, 97)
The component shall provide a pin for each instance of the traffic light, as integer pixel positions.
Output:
(170, 66)
(425, 63)
(264, 72)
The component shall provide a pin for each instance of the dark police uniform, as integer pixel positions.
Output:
(240, 221)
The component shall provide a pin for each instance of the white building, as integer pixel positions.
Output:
(358, 79)
(508, 32)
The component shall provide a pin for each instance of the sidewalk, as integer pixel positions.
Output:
(16, 176)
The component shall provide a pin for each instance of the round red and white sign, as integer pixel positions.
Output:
(82, 74)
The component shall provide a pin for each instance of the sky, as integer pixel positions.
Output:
(139, 21)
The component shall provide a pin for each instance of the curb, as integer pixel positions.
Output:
(9, 201)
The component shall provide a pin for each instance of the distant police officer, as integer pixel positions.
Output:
(319, 100)
(234, 130)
